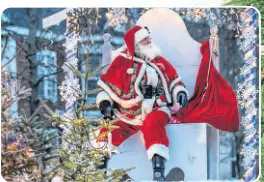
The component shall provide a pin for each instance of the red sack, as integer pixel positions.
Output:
(217, 106)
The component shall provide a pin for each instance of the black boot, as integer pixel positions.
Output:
(158, 163)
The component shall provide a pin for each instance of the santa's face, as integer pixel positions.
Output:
(145, 41)
(147, 48)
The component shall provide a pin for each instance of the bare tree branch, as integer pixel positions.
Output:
(11, 58)
(39, 80)
(3, 51)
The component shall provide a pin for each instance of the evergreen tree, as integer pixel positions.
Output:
(27, 144)
(78, 153)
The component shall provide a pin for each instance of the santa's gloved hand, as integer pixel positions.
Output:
(182, 99)
(106, 109)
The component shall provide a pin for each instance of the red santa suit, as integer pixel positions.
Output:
(121, 85)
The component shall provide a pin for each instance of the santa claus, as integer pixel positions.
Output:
(142, 89)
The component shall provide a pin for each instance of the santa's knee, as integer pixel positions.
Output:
(157, 117)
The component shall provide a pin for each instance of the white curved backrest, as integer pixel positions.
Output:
(169, 32)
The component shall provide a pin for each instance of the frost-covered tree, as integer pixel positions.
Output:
(79, 155)
(28, 150)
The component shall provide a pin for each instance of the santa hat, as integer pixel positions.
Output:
(134, 36)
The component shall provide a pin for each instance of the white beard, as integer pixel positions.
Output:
(150, 51)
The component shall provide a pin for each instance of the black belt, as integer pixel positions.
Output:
(149, 91)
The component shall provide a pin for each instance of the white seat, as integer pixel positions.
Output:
(189, 150)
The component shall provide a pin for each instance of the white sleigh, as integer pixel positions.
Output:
(194, 148)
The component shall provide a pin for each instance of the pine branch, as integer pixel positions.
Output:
(89, 107)
(18, 151)
(98, 70)
(47, 158)
(94, 91)
(35, 113)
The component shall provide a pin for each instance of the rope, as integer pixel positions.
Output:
(209, 67)
(208, 73)
(210, 60)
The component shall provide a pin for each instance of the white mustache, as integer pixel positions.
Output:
(150, 50)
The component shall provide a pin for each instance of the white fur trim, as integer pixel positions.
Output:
(147, 106)
(164, 82)
(179, 88)
(166, 110)
(175, 107)
(152, 76)
(140, 35)
(139, 78)
(159, 149)
(175, 81)
(165, 85)
(101, 96)
(124, 103)
(140, 74)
